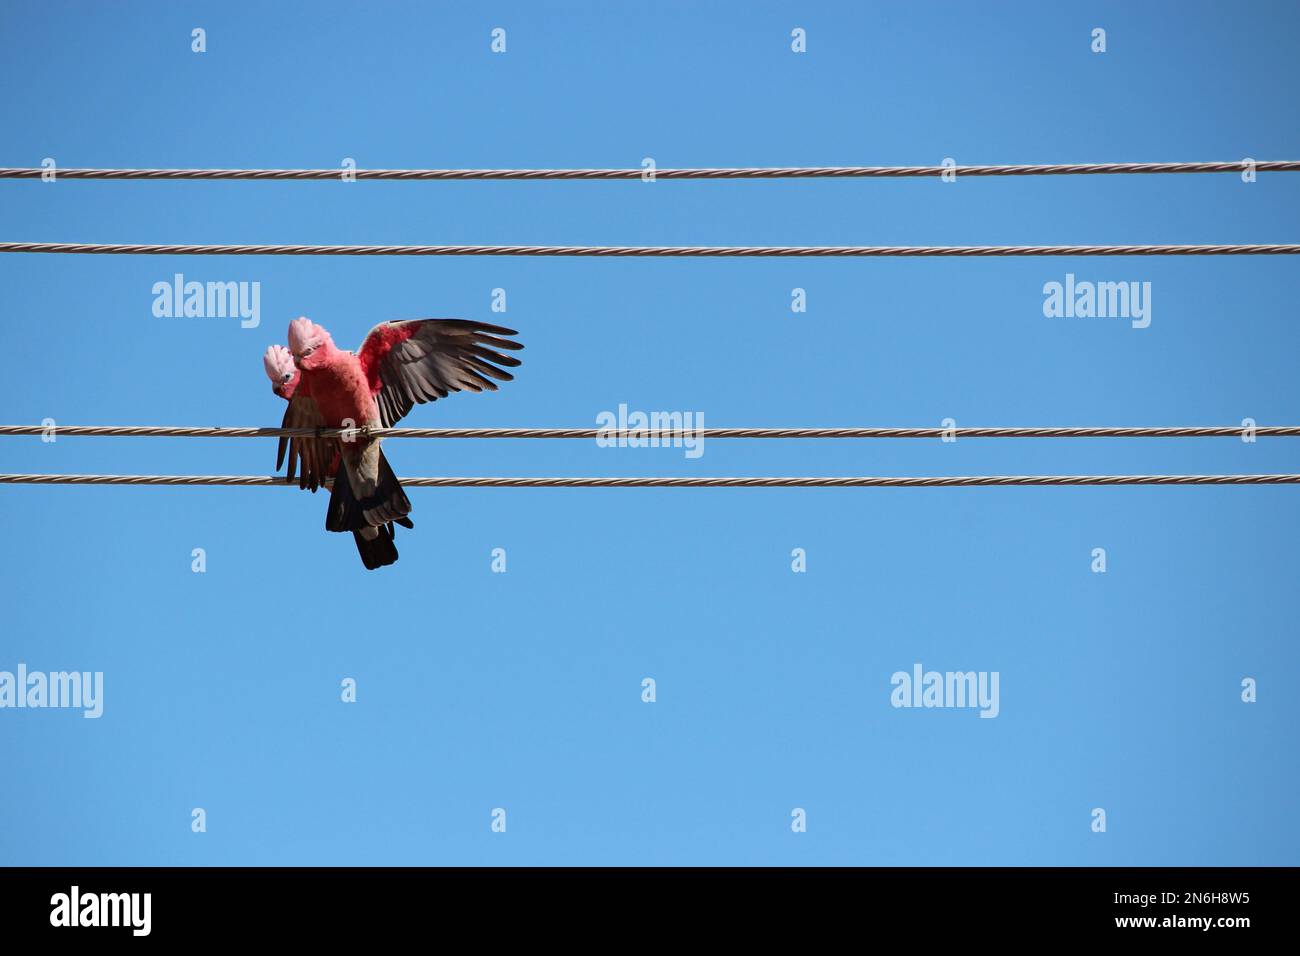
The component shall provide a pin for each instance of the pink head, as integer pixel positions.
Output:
(278, 363)
(309, 343)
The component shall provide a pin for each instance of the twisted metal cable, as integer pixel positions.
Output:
(187, 431)
(848, 482)
(136, 249)
(774, 172)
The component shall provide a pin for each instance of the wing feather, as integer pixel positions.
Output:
(423, 360)
(310, 457)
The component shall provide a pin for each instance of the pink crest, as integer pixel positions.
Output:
(277, 361)
(304, 333)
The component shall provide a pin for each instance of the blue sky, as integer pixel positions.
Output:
(523, 690)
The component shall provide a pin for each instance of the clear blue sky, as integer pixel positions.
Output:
(522, 690)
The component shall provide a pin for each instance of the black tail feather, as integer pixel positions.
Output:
(347, 513)
(379, 551)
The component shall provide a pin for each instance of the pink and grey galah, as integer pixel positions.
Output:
(399, 365)
(376, 550)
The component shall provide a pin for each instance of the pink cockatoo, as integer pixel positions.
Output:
(399, 365)
(377, 551)
(319, 458)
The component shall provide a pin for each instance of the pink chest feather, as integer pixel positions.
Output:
(341, 391)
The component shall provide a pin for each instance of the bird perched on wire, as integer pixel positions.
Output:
(399, 365)
(376, 550)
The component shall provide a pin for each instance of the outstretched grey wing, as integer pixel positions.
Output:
(422, 360)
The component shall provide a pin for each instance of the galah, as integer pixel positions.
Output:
(399, 365)
(286, 381)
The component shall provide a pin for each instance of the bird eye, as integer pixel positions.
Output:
(285, 377)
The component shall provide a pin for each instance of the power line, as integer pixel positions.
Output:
(763, 172)
(817, 482)
(661, 434)
(135, 249)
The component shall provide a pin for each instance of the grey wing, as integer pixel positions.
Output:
(309, 457)
(424, 360)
